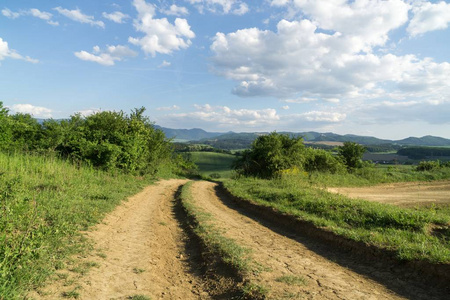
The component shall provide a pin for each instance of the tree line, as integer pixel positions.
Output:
(274, 154)
(106, 140)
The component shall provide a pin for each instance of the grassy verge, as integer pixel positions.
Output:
(411, 234)
(226, 249)
(44, 204)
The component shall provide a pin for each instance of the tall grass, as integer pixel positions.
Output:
(409, 232)
(44, 203)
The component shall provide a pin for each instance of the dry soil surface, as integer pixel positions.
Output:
(288, 258)
(404, 194)
(141, 249)
(141, 252)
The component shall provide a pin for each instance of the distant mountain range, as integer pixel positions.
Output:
(200, 135)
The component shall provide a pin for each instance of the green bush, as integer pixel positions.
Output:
(428, 165)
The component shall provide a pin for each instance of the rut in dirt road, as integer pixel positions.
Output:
(285, 259)
(143, 250)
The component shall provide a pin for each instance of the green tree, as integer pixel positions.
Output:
(352, 154)
(271, 154)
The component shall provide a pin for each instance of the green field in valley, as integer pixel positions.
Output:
(213, 163)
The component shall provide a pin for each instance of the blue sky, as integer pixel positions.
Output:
(366, 67)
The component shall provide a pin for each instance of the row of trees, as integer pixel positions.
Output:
(272, 154)
(106, 140)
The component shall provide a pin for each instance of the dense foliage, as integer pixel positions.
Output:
(424, 152)
(270, 154)
(107, 140)
(275, 154)
(352, 154)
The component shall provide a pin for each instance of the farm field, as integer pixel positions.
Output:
(405, 194)
(213, 163)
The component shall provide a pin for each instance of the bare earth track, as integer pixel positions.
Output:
(141, 249)
(404, 194)
(294, 257)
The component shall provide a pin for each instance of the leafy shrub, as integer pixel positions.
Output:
(428, 165)
(270, 154)
(352, 154)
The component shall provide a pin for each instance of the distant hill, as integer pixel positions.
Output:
(427, 140)
(233, 140)
(194, 134)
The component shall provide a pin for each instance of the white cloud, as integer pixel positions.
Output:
(46, 16)
(242, 10)
(107, 57)
(175, 10)
(168, 108)
(78, 16)
(429, 17)
(164, 64)
(224, 117)
(6, 52)
(323, 116)
(300, 61)
(36, 111)
(88, 112)
(237, 7)
(161, 36)
(285, 107)
(117, 16)
(10, 14)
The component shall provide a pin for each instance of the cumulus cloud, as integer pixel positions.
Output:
(330, 56)
(117, 16)
(224, 117)
(88, 112)
(168, 108)
(107, 57)
(36, 111)
(6, 52)
(322, 116)
(236, 7)
(77, 16)
(175, 10)
(161, 36)
(429, 17)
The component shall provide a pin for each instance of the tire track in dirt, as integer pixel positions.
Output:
(144, 251)
(289, 257)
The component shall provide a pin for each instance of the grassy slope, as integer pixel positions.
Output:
(44, 203)
(211, 162)
(405, 231)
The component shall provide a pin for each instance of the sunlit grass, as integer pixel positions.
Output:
(44, 203)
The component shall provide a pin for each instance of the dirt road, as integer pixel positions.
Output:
(404, 194)
(141, 249)
(285, 259)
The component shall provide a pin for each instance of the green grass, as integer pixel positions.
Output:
(405, 231)
(213, 163)
(44, 204)
(292, 280)
(227, 249)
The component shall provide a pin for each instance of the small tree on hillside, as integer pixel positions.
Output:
(352, 154)
(270, 154)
